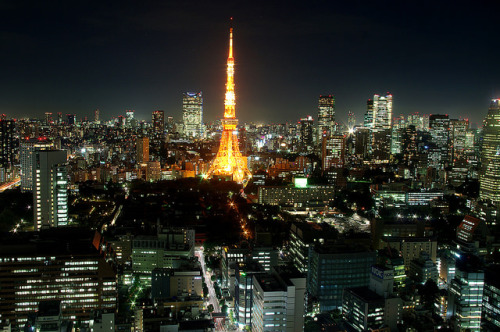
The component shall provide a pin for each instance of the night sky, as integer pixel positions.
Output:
(75, 56)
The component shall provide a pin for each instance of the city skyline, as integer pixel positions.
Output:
(76, 58)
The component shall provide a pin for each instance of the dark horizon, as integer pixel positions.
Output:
(76, 57)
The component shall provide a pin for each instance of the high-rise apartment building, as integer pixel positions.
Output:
(326, 116)
(50, 189)
(158, 118)
(142, 150)
(489, 177)
(7, 132)
(26, 153)
(192, 114)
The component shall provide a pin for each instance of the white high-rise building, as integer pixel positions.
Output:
(192, 114)
(26, 152)
(278, 301)
(379, 119)
(50, 188)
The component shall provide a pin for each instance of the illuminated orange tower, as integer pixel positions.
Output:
(229, 162)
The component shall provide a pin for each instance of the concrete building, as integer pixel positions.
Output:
(423, 269)
(142, 150)
(50, 189)
(192, 114)
(410, 247)
(326, 116)
(491, 299)
(278, 301)
(26, 152)
(184, 281)
(169, 249)
(335, 267)
(466, 294)
(296, 196)
(61, 264)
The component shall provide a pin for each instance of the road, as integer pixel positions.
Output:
(9, 185)
(212, 298)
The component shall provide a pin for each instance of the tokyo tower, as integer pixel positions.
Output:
(229, 162)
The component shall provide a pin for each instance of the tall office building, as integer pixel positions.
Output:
(379, 119)
(306, 133)
(351, 121)
(333, 151)
(326, 116)
(466, 294)
(7, 132)
(490, 156)
(439, 128)
(50, 189)
(458, 139)
(26, 152)
(192, 114)
(158, 119)
(142, 150)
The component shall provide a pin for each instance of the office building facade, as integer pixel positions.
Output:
(489, 177)
(326, 116)
(50, 189)
(26, 152)
(192, 114)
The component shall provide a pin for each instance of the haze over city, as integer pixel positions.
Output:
(76, 57)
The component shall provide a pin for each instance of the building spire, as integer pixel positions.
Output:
(230, 100)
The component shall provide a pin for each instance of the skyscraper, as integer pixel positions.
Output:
(192, 114)
(96, 115)
(7, 131)
(50, 189)
(26, 153)
(229, 162)
(142, 150)
(158, 118)
(306, 133)
(439, 128)
(333, 151)
(490, 155)
(378, 118)
(326, 116)
(458, 138)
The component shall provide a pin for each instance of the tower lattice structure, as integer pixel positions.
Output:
(229, 162)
